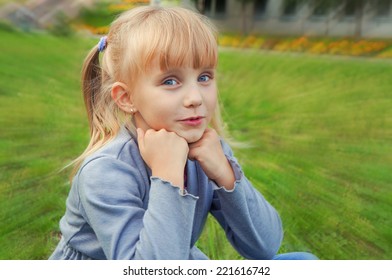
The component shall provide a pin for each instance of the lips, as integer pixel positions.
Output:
(193, 121)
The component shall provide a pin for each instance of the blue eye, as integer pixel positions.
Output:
(204, 78)
(170, 82)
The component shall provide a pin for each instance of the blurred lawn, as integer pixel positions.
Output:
(42, 128)
(320, 130)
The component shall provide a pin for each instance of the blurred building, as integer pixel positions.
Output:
(359, 18)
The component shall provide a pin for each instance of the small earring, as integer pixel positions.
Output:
(132, 111)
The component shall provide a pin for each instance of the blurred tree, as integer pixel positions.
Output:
(362, 7)
(355, 9)
(61, 26)
(200, 5)
(327, 9)
(244, 4)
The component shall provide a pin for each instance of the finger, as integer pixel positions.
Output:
(195, 144)
(192, 155)
(199, 142)
(194, 151)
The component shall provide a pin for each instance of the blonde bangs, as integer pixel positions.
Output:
(196, 50)
(176, 38)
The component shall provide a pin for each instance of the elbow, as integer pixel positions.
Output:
(268, 248)
(274, 245)
(264, 247)
(268, 244)
(276, 238)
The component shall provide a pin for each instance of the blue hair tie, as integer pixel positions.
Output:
(102, 43)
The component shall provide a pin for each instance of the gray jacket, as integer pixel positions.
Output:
(117, 210)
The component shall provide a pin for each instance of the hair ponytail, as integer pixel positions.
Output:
(91, 83)
(103, 115)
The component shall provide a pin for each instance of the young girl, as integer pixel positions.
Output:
(156, 164)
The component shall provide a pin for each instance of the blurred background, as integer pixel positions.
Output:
(305, 83)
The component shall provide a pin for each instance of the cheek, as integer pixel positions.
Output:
(211, 101)
(158, 114)
(155, 116)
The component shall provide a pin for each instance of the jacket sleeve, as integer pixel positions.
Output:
(251, 224)
(111, 198)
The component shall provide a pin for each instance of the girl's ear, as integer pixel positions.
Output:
(123, 98)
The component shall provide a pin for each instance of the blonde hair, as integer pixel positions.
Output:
(175, 36)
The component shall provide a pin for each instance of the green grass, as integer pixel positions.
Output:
(42, 128)
(320, 131)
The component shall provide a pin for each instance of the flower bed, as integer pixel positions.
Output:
(351, 47)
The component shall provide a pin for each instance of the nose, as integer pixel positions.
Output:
(193, 97)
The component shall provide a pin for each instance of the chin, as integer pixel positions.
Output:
(194, 137)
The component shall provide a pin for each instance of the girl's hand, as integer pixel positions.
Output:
(209, 153)
(165, 153)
